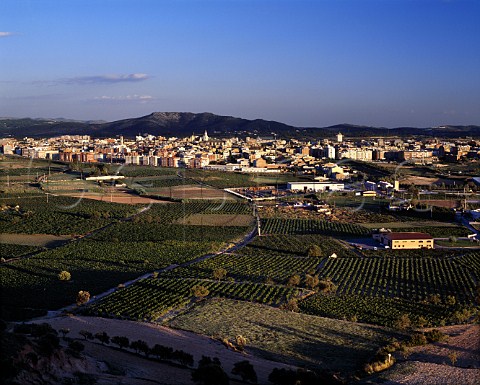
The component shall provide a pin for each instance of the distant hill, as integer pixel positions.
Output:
(182, 124)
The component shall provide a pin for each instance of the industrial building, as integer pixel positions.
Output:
(315, 186)
(406, 240)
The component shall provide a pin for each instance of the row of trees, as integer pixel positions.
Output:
(140, 346)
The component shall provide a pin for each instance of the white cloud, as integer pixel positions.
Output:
(135, 97)
(96, 79)
(111, 78)
(6, 34)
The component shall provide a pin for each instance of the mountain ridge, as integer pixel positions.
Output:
(188, 123)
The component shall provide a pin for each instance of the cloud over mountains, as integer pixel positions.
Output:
(111, 78)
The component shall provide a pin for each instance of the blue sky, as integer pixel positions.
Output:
(306, 63)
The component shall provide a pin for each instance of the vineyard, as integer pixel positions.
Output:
(275, 257)
(408, 278)
(440, 231)
(62, 215)
(98, 266)
(11, 251)
(152, 297)
(295, 245)
(311, 226)
(250, 268)
(375, 310)
(155, 232)
(160, 222)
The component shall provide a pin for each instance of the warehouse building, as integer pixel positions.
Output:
(407, 240)
(315, 186)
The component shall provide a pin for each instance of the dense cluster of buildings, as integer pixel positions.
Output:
(246, 155)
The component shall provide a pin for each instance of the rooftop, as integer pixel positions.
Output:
(407, 236)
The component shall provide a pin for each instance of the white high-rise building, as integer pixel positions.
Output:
(329, 152)
(339, 137)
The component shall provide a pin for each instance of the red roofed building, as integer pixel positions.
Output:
(407, 240)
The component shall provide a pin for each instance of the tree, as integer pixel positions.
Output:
(162, 352)
(219, 273)
(311, 281)
(64, 276)
(86, 334)
(314, 251)
(121, 341)
(76, 347)
(102, 337)
(294, 280)
(245, 370)
(453, 239)
(64, 331)
(282, 376)
(199, 291)
(183, 358)
(140, 346)
(83, 297)
(210, 372)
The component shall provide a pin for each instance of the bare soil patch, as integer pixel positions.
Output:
(217, 220)
(117, 367)
(117, 198)
(431, 364)
(193, 192)
(450, 204)
(464, 340)
(41, 240)
(425, 373)
(399, 225)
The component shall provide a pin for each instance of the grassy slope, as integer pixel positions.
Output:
(285, 336)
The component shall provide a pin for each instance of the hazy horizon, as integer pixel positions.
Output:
(303, 63)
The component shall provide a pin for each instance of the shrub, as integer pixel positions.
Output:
(291, 305)
(435, 335)
(219, 273)
(200, 291)
(83, 297)
(417, 339)
(314, 251)
(403, 322)
(294, 280)
(64, 276)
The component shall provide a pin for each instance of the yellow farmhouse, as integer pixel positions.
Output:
(407, 240)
